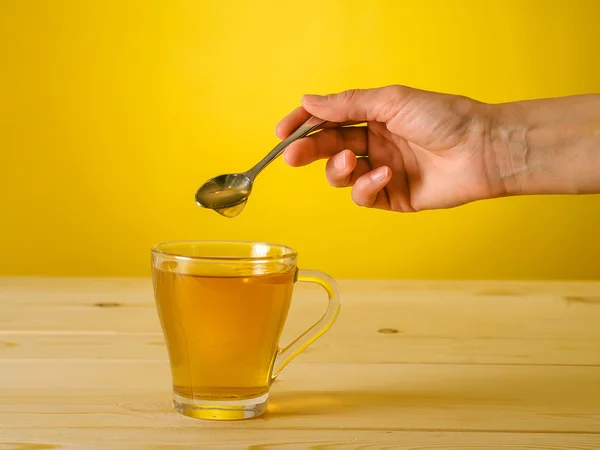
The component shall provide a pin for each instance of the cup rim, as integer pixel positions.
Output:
(289, 252)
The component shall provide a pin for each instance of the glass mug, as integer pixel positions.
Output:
(222, 306)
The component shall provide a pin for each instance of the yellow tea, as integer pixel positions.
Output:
(222, 333)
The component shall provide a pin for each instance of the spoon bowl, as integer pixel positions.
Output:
(224, 191)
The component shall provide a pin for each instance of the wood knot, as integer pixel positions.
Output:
(580, 299)
(108, 304)
(6, 344)
(387, 331)
(499, 292)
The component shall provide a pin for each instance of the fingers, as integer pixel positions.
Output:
(325, 144)
(292, 121)
(368, 189)
(380, 104)
(297, 117)
(347, 108)
(344, 169)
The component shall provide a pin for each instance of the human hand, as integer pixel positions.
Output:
(419, 150)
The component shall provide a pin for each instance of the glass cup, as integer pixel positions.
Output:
(222, 307)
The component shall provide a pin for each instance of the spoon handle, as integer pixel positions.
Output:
(308, 126)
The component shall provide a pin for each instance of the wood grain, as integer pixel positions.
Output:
(365, 345)
(408, 365)
(353, 396)
(161, 438)
(514, 310)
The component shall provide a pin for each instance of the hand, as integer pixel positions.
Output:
(419, 150)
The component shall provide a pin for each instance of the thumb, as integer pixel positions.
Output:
(358, 105)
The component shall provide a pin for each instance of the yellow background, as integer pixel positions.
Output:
(112, 113)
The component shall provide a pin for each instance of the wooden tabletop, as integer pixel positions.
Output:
(408, 365)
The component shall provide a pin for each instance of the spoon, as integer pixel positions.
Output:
(228, 194)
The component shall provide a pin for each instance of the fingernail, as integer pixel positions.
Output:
(314, 99)
(379, 175)
(340, 162)
(286, 158)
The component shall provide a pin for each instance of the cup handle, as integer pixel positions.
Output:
(293, 349)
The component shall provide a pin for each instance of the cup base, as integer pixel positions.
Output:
(220, 410)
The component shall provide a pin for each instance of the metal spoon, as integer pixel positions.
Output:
(228, 194)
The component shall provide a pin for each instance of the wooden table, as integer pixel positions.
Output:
(408, 365)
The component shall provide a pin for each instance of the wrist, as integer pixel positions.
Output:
(510, 149)
(546, 146)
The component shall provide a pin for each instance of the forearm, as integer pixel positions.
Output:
(549, 146)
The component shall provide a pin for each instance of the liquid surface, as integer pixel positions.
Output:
(228, 196)
(222, 333)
